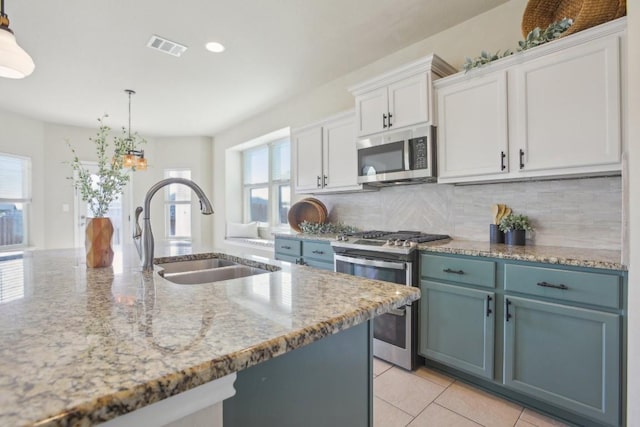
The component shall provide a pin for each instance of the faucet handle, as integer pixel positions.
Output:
(138, 231)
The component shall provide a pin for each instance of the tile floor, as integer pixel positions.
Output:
(426, 398)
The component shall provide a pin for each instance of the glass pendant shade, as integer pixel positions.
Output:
(129, 160)
(141, 164)
(15, 63)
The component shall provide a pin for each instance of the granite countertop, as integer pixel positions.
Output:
(81, 346)
(578, 257)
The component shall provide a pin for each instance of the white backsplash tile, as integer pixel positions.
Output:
(569, 212)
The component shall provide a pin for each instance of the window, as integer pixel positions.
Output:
(15, 198)
(177, 201)
(266, 175)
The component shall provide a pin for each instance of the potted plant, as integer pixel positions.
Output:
(515, 228)
(100, 189)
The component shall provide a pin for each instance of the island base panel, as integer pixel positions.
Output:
(327, 383)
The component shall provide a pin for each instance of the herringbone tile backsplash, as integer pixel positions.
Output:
(570, 212)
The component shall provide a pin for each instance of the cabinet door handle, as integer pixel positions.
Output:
(507, 315)
(285, 247)
(384, 120)
(502, 157)
(318, 181)
(325, 178)
(521, 158)
(448, 270)
(390, 115)
(318, 252)
(551, 285)
(489, 299)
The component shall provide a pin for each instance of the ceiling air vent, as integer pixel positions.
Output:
(166, 46)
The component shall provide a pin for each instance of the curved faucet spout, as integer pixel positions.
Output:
(146, 254)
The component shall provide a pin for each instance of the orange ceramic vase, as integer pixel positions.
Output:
(98, 242)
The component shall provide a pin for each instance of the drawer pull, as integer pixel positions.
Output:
(318, 252)
(489, 305)
(507, 315)
(550, 285)
(448, 270)
(285, 247)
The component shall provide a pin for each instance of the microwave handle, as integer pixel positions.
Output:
(370, 262)
(407, 158)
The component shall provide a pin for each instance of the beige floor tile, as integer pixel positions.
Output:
(479, 406)
(380, 366)
(406, 391)
(387, 415)
(521, 423)
(539, 420)
(437, 416)
(434, 376)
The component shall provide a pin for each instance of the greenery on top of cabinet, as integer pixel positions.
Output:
(536, 37)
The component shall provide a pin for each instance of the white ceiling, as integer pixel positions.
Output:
(87, 52)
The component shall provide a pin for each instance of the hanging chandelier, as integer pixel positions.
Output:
(134, 158)
(15, 63)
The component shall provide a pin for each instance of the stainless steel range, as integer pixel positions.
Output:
(392, 257)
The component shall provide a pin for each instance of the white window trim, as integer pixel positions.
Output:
(272, 186)
(168, 203)
(26, 202)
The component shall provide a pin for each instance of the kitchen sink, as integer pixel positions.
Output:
(194, 264)
(193, 272)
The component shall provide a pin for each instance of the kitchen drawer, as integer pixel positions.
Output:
(319, 264)
(466, 271)
(317, 250)
(288, 247)
(575, 286)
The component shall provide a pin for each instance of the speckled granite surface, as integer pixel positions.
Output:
(579, 257)
(81, 346)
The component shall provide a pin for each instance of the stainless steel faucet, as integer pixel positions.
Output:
(145, 248)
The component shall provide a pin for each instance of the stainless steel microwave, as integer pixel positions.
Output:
(403, 157)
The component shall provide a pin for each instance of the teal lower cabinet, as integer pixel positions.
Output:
(314, 253)
(566, 356)
(548, 336)
(458, 327)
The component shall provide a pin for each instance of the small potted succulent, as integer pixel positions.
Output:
(515, 228)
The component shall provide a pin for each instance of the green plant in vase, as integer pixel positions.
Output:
(515, 227)
(101, 188)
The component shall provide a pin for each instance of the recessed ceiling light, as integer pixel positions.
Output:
(214, 47)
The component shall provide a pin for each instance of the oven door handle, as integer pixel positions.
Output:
(370, 262)
(400, 312)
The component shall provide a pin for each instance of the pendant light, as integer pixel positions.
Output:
(15, 63)
(134, 158)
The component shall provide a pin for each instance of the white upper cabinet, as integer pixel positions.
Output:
(472, 131)
(553, 111)
(324, 156)
(568, 108)
(307, 154)
(399, 98)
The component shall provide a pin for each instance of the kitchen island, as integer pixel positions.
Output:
(82, 346)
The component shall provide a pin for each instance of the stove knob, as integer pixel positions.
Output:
(389, 242)
(398, 242)
(407, 243)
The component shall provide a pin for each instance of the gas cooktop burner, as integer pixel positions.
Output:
(385, 241)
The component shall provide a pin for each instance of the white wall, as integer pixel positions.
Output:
(25, 137)
(497, 28)
(633, 355)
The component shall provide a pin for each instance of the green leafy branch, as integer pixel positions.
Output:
(112, 177)
(536, 37)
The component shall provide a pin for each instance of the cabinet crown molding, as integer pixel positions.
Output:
(618, 26)
(430, 62)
